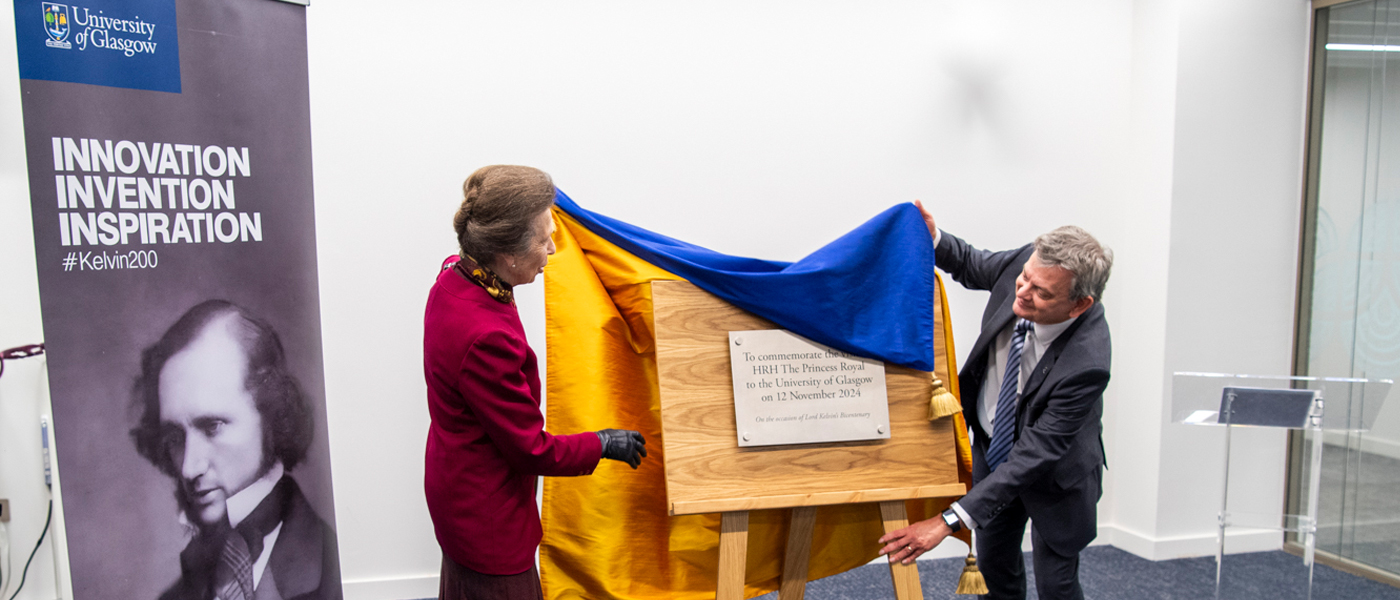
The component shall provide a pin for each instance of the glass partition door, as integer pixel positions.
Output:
(1349, 309)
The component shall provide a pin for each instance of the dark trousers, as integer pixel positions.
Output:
(460, 583)
(999, 558)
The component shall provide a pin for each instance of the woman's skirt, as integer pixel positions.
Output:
(461, 583)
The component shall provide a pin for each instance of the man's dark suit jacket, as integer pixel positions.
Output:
(1056, 464)
(304, 564)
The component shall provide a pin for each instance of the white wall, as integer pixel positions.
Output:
(1139, 329)
(711, 124)
(23, 387)
(768, 129)
(1236, 208)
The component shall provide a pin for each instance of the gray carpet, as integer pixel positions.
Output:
(1108, 573)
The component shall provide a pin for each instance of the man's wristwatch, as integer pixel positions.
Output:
(950, 517)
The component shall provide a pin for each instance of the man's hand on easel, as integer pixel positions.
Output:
(905, 545)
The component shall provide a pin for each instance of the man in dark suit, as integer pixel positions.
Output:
(1032, 395)
(222, 416)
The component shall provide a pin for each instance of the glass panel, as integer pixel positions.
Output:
(1351, 304)
(1351, 404)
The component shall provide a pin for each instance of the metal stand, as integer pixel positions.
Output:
(1280, 402)
(1223, 518)
(1308, 526)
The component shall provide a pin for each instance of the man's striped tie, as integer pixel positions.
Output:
(1004, 422)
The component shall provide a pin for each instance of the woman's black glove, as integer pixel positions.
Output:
(624, 445)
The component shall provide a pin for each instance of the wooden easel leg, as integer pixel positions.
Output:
(799, 549)
(733, 554)
(906, 577)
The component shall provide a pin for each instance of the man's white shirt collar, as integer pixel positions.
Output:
(240, 505)
(1046, 334)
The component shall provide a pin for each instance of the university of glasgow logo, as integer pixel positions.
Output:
(56, 25)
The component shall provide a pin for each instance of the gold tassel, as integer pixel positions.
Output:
(971, 581)
(942, 403)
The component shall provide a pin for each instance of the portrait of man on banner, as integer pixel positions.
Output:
(225, 419)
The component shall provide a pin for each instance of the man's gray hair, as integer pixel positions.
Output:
(1076, 251)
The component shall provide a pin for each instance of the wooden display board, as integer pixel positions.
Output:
(707, 471)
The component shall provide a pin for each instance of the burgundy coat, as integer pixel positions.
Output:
(486, 442)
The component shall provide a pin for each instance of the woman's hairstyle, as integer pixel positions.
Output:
(499, 207)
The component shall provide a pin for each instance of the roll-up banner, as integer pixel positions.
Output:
(169, 156)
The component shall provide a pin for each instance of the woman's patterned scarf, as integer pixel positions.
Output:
(477, 273)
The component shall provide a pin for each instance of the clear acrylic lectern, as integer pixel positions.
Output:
(1315, 404)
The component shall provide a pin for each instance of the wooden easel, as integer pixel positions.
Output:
(707, 472)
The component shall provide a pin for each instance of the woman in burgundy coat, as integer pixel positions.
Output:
(487, 444)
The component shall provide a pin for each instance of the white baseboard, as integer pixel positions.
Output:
(423, 586)
(1237, 541)
(954, 548)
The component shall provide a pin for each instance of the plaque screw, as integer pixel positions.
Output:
(746, 436)
(738, 341)
(880, 429)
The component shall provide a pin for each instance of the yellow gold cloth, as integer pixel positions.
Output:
(609, 535)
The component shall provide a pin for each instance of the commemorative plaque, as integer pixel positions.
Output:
(790, 390)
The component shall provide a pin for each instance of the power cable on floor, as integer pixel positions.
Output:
(6, 574)
(25, 573)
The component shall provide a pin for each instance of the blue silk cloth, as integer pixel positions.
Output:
(869, 293)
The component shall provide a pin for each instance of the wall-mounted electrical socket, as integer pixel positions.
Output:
(4, 510)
